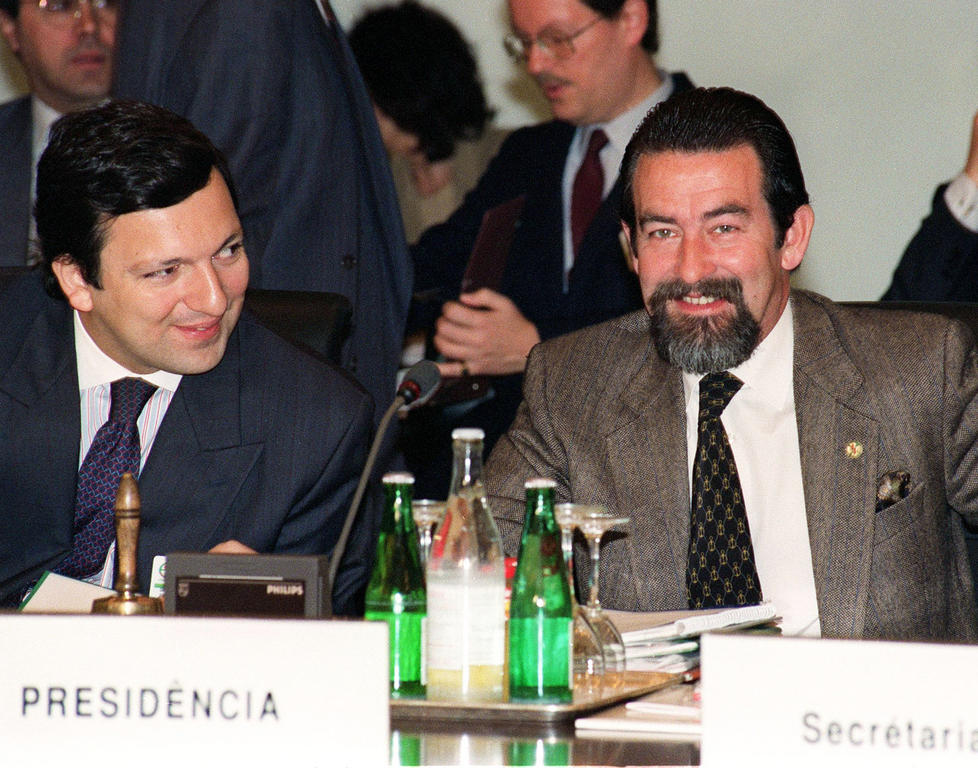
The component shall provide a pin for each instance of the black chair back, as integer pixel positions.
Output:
(316, 322)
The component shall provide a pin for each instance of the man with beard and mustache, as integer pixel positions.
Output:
(65, 48)
(565, 267)
(853, 431)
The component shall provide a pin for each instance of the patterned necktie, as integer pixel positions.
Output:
(114, 451)
(588, 189)
(720, 568)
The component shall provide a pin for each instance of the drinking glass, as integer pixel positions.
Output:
(588, 652)
(427, 514)
(594, 520)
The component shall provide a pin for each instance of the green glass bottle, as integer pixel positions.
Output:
(541, 614)
(396, 590)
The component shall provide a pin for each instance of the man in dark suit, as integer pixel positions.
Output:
(941, 261)
(564, 270)
(66, 52)
(245, 444)
(275, 86)
(850, 432)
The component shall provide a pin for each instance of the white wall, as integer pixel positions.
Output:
(879, 97)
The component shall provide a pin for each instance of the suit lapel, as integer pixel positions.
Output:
(198, 463)
(646, 451)
(839, 447)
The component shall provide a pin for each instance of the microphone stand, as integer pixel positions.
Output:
(368, 468)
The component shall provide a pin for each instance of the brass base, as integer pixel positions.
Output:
(128, 605)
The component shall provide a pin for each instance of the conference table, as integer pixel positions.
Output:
(424, 740)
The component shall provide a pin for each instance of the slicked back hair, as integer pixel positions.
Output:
(716, 120)
(103, 162)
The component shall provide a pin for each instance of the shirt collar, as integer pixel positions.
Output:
(42, 118)
(95, 367)
(769, 369)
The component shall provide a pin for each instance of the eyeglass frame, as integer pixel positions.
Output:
(97, 6)
(519, 50)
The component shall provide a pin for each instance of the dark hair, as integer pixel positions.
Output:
(610, 8)
(10, 7)
(715, 120)
(421, 73)
(117, 158)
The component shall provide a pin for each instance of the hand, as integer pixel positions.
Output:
(430, 177)
(971, 167)
(232, 547)
(486, 333)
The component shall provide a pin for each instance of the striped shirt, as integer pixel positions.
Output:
(96, 372)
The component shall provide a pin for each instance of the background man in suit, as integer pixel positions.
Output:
(244, 442)
(941, 261)
(566, 267)
(274, 85)
(851, 432)
(66, 51)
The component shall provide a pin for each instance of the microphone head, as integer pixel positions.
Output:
(419, 383)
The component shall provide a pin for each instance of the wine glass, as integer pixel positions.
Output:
(594, 520)
(427, 514)
(588, 652)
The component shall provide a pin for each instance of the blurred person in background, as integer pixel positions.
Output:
(65, 48)
(430, 106)
(941, 261)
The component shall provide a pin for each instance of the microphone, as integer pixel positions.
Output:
(418, 385)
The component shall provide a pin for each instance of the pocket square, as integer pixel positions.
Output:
(891, 487)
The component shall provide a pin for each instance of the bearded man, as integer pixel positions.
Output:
(767, 443)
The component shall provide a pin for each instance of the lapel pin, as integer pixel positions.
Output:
(854, 449)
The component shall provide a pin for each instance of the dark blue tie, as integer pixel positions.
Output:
(114, 451)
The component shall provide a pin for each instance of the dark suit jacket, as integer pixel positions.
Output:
(903, 385)
(279, 93)
(15, 181)
(265, 448)
(941, 261)
(601, 286)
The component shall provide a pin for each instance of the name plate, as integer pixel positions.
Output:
(164, 691)
(808, 702)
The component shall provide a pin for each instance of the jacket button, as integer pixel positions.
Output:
(349, 261)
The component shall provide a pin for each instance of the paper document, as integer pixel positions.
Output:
(55, 593)
(692, 626)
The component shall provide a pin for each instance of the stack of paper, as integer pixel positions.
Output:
(674, 647)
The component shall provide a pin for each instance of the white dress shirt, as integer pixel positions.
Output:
(619, 132)
(961, 197)
(96, 372)
(763, 432)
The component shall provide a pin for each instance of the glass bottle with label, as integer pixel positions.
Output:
(541, 612)
(466, 587)
(396, 590)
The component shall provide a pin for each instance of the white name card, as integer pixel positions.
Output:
(808, 702)
(165, 691)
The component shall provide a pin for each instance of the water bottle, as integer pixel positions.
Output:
(396, 590)
(541, 612)
(466, 587)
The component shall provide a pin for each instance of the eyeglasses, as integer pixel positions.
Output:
(62, 10)
(551, 44)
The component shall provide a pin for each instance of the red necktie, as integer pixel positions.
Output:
(114, 450)
(588, 189)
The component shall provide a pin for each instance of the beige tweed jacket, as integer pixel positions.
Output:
(875, 392)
